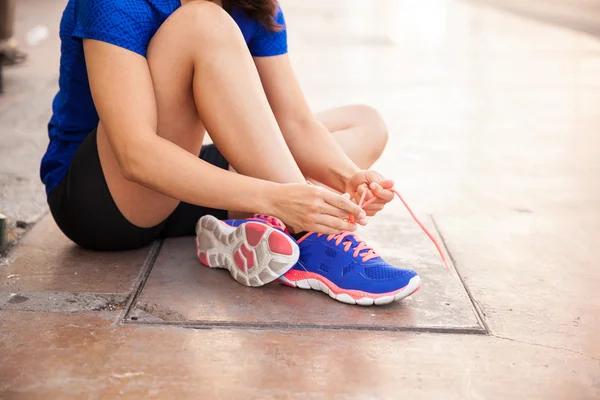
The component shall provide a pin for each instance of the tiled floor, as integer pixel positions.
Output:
(493, 120)
(180, 290)
(84, 356)
(25, 112)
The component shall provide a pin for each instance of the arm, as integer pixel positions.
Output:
(123, 94)
(318, 155)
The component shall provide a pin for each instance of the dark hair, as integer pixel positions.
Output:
(263, 11)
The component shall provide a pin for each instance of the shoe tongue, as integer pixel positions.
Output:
(352, 239)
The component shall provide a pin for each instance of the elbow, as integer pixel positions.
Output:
(131, 164)
(130, 171)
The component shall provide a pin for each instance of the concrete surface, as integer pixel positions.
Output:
(47, 261)
(180, 290)
(24, 113)
(493, 120)
(83, 356)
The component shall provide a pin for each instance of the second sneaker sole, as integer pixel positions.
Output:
(254, 253)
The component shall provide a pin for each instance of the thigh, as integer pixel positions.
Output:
(178, 121)
(341, 118)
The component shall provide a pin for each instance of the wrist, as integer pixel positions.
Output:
(342, 176)
(269, 198)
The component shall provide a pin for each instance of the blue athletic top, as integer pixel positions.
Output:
(125, 23)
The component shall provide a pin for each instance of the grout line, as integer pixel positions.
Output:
(478, 311)
(279, 326)
(143, 277)
(546, 346)
(481, 329)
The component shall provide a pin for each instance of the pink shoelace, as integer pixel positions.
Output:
(271, 221)
(360, 245)
(343, 237)
(371, 254)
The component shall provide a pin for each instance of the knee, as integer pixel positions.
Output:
(374, 127)
(203, 21)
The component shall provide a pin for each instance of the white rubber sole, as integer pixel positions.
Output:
(355, 297)
(254, 254)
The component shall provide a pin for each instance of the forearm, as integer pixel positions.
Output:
(166, 168)
(318, 155)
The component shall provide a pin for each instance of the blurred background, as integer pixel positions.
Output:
(492, 104)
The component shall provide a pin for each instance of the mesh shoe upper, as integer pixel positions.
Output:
(350, 264)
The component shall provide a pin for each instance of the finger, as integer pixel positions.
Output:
(328, 209)
(343, 203)
(381, 193)
(375, 207)
(359, 191)
(373, 176)
(335, 223)
(386, 183)
(348, 215)
(364, 196)
(371, 211)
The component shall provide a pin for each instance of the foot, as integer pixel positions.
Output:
(349, 271)
(255, 250)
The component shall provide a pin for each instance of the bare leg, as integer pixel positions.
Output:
(204, 77)
(360, 131)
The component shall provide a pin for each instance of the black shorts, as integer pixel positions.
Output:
(85, 211)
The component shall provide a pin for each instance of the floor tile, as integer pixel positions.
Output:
(181, 290)
(46, 261)
(533, 276)
(80, 356)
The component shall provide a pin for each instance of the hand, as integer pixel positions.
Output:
(311, 208)
(375, 185)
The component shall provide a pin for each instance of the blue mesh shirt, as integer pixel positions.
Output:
(129, 24)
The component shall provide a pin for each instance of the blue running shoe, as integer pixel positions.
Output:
(347, 269)
(255, 250)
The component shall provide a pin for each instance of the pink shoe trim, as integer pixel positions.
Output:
(248, 255)
(204, 259)
(254, 233)
(295, 276)
(304, 237)
(279, 243)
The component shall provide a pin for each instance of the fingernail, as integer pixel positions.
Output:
(362, 215)
(364, 221)
(346, 195)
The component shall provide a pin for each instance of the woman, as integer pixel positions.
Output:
(141, 81)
